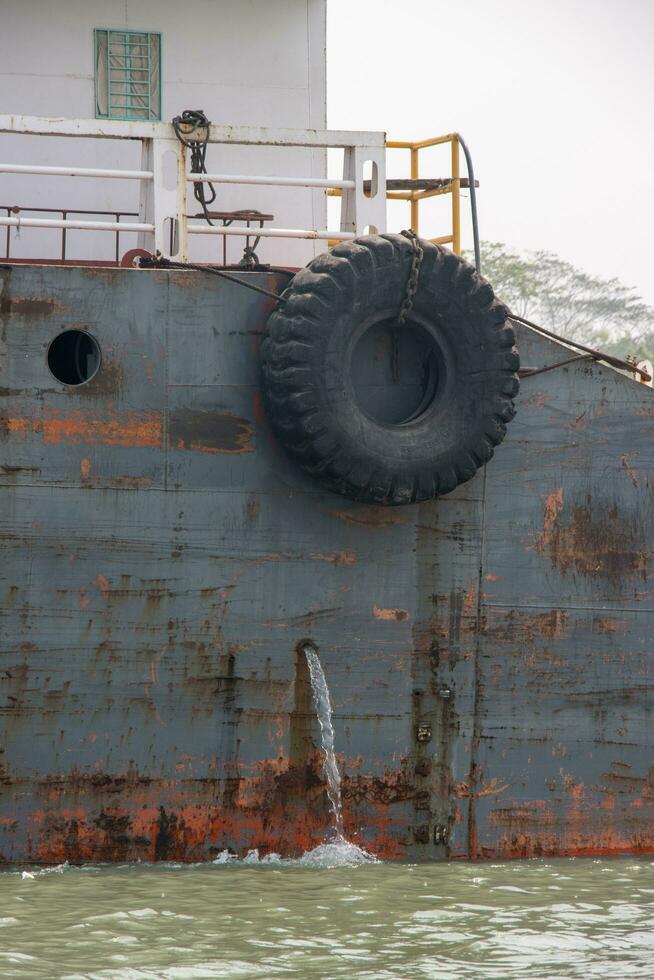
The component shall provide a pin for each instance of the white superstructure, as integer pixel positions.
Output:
(252, 63)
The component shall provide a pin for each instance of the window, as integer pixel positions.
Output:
(127, 75)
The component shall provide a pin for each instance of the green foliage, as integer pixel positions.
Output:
(544, 288)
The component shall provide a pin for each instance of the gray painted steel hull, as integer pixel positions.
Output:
(488, 653)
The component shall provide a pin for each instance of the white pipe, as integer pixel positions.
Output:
(28, 168)
(270, 181)
(72, 223)
(341, 236)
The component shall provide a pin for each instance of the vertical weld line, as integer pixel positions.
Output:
(476, 725)
(166, 411)
(108, 78)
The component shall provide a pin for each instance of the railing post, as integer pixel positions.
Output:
(182, 187)
(146, 197)
(163, 199)
(456, 197)
(415, 204)
(358, 210)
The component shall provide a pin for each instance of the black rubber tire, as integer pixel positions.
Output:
(311, 401)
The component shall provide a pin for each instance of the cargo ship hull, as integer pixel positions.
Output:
(488, 653)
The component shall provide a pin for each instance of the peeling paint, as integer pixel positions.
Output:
(390, 615)
(337, 558)
(590, 536)
(210, 432)
(133, 429)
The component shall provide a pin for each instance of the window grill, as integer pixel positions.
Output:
(127, 74)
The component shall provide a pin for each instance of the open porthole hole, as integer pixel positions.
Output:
(396, 372)
(74, 357)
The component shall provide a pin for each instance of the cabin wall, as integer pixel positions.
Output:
(259, 63)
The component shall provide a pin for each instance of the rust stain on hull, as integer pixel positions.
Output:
(280, 808)
(391, 615)
(211, 432)
(592, 538)
(375, 518)
(133, 429)
(579, 826)
(205, 432)
(337, 558)
(33, 306)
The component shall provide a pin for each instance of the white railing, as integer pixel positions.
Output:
(163, 224)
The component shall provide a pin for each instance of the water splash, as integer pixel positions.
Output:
(324, 713)
(335, 853)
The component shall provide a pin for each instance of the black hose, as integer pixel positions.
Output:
(192, 129)
(162, 263)
(473, 200)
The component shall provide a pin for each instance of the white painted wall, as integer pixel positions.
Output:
(245, 62)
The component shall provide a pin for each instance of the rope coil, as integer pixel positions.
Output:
(192, 129)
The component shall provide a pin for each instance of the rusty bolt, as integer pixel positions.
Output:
(440, 834)
(423, 767)
(421, 834)
(421, 801)
(423, 733)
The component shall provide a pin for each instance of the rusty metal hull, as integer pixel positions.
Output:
(488, 654)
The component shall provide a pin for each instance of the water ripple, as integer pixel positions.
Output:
(311, 919)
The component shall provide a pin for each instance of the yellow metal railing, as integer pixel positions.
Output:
(452, 186)
(416, 196)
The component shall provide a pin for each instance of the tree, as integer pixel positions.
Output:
(544, 288)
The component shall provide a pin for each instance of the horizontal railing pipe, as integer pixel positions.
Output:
(271, 181)
(81, 225)
(341, 236)
(29, 168)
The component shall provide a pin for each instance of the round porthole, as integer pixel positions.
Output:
(74, 357)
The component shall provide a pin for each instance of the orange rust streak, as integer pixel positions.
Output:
(551, 512)
(372, 517)
(133, 429)
(136, 429)
(22, 426)
(390, 615)
(338, 558)
(631, 470)
(197, 446)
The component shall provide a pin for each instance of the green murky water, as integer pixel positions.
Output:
(555, 919)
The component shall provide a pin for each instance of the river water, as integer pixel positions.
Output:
(371, 921)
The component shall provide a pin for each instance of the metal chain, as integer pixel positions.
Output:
(407, 302)
(414, 273)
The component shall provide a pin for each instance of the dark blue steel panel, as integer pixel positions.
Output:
(163, 560)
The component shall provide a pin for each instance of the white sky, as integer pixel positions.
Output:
(554, 98)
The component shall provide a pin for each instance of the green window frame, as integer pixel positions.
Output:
(127, 74)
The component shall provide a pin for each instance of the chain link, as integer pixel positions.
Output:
(414, 273)
(407, 302)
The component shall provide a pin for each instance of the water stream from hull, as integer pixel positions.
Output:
(337, 850)
(324, 713)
